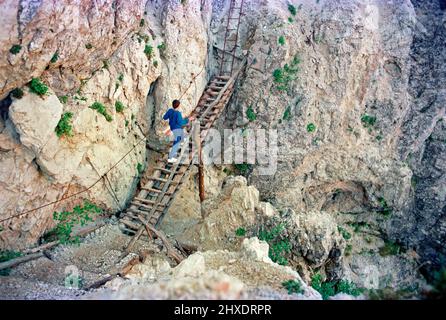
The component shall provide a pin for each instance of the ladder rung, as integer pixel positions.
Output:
(146, 206)
(144, 200)
(142, 211)
(163, 169)
(158, 179)
(152, 190)
(130, 224)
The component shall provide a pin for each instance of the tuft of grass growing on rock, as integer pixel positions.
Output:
(38, 87)
(148, 50)
(100, 108)
(250, 114)
(119, 106)
(348, 250)
(63, 99)
(243, 168)
(64, 126)
(6, 256)
(385, 210)
(368, 121)
(287, 114)
(278, 247)
(55, 57)
(162, 47)
(17, 93)
(293, 286)
(292, 9)
(283, 76)
(390, 248)
(15, 49)
(89, 46)
(240, 232)
(282, 40)
(311, 127)
(140, 168)
(344, 233)
(121, 77)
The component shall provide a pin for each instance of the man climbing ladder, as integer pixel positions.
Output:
(176, 123)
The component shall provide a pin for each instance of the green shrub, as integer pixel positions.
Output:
(292, 9)
(358, 226)
(283, 77)
(140, 168)
(439, 283)
(17, 93)
(278, 75)
(80, 98)
(63, 99)
(281, 40)
(250, 114)
(240, 232)
(290, 20)
(89, 46)
(15, 49)
(287, 114)
(67, 220)
(155, 64)
(99, 107)
(6, 256)
(121, 77)
(293, 286)
(126, 123)
(55, 57)
(326, 289)
(345, 234)
(390, 248)
(38, 87)
(119, 106)
(368, 121)
(348, 287)
(148, 50)
(311, 127)
(142, 22)
(385, 209)
(243, 168)
(348, 250)
(162, 47)
(64, 126)
(330, 288)
(278, 247)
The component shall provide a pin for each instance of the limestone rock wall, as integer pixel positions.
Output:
(357, 88)
(135, 52)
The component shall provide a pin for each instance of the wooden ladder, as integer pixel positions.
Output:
(152, 202)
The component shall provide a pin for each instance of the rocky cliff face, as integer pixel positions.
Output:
(355, 90)
(131, 52)
(356, 94)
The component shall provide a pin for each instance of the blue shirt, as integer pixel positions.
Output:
(176, 120)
